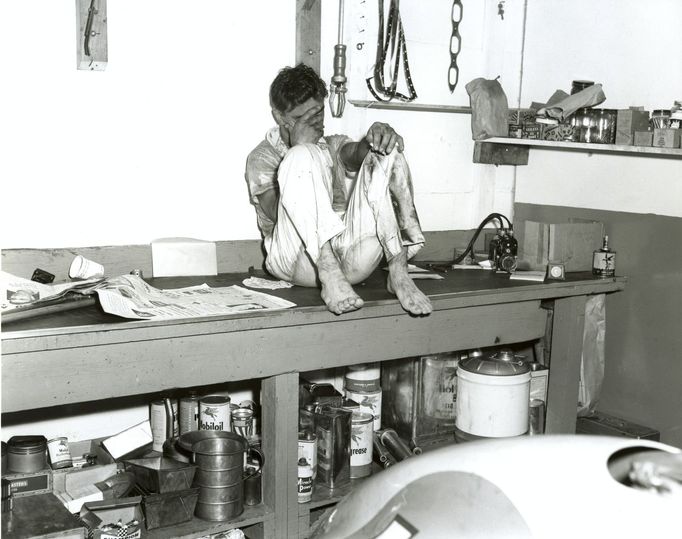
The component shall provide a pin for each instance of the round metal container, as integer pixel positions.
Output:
(27, 454)
(189, 413)
(361, 444)
(370, 402)
(439, 377)
(215, 413)
(364, 377)
(493, 394)
(219, 456)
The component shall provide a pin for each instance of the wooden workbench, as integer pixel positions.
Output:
(64, 358)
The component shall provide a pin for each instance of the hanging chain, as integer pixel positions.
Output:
(395, 41)
(455, 44)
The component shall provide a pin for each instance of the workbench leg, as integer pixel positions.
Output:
(564, 368)
(280, 445)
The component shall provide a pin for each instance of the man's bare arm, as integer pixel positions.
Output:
(268, 203)
(380, 138)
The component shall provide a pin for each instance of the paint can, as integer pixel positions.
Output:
(307, 449)
(189, 413)
(440, 385)
(363, 377)
(361, 440)
(369, 402)
(60, 454)
(163, 417)
(215, 413)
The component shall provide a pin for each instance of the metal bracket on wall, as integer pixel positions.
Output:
(91, 23)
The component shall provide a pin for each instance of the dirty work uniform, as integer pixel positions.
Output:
(316, 205)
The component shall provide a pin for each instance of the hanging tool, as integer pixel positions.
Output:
(337, 88)
(455, 44)
(394, 44)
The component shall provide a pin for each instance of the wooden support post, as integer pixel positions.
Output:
(564, 367)
(308, 32)
(500, 154)
(280, 446)
(91, 24)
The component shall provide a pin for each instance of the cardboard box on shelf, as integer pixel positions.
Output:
(74, 486)
(628, 122)
(666, 138)
(570, 243)
(643, 138)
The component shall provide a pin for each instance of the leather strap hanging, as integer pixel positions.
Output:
(394, 40)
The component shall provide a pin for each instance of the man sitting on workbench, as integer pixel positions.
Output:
(329, 208)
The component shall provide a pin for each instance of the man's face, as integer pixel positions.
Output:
(288, 119)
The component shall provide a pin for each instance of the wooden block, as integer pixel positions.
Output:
(643, 138)
(500, 154)
(628, 122)
(666, 138)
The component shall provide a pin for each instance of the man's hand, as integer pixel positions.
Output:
(382, 138)
(309, 128)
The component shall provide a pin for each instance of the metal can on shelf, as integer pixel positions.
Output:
(189, 413)
(60, 454)
(307, 449)
(215, 413)
(361, 440)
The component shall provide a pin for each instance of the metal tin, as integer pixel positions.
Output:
(493, 396)
(189, 413)
(539, 378)
(304, 486)
(27, 454)
(361, 439)
(215, 413)
(307, 449)
(4, 458)
(370, 402)
(242, 421)
(333, 428)
(440, 385)
(363, 377)
(60, 454)
(161, 419)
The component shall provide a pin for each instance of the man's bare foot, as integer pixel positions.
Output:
(337, 293)
(412, 299)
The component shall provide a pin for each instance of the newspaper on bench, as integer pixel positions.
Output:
(131, 297)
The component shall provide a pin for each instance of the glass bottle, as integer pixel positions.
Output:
(604, 260)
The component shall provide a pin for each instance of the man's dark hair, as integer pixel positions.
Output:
(295, 85)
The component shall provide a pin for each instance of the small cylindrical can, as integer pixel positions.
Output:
(536, 424)
(60, 454)
(189, 413)
(26, 454)
(361, 440)
(370, 402)
(364, 377)
(305, 482)
(214, 413)
(242, 422)
(307, 449)
(161, 422)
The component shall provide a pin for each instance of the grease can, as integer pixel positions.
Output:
(60, 454)
(215, 413)
(370, 402)
(361, 441)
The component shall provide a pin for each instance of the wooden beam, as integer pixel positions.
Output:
(500, 154)
(308, 32)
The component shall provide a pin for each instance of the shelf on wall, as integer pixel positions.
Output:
(400, 105)
(587, 147)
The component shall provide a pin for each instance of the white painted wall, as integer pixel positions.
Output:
(155, 145)
(626, 45)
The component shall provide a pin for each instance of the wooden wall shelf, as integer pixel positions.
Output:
(399, 105)
(585, 147)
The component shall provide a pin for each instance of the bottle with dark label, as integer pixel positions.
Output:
(604, 260)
